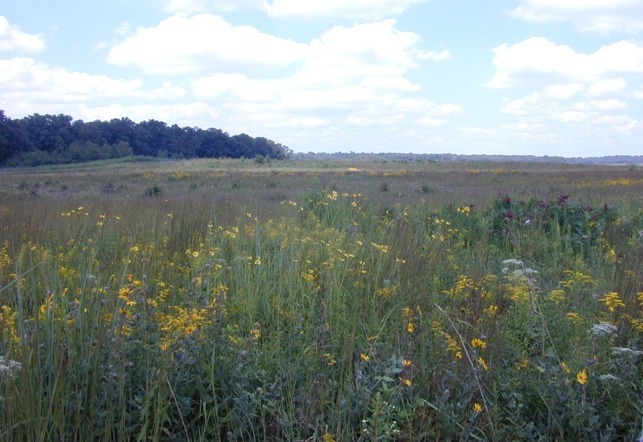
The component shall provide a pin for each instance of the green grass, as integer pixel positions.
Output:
(281, 301)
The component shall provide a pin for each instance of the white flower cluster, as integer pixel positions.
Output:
(515, 263)
(9, 368)
(603, 330)
(624, 351)
(516, 269)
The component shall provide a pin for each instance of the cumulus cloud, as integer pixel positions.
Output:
(362, 9)
(563, 91)
(585, 92)
(168, 91)
(606, 87)
(539, 105)
(197, 6)
(204, 42)
(27, 85)
(589, 15)
(183, 114)
(375, 51)
(31, 80)
(431, 121)
(357, 71)
(538, 60)
(13, 39)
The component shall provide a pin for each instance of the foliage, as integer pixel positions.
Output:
(333, 319)
(57, 139)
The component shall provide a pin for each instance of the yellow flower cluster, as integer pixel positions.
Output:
(557, 296)
(8, 321)
(581, 377)
(478, 343)
(577, 279)
(181, 323)
(462, 286)
(612, 300)
(453, 346)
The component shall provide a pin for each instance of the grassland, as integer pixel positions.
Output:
(247, 300)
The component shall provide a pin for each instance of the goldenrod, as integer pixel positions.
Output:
(581, 377)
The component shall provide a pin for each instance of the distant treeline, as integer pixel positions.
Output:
(58, 139)
(450, 157)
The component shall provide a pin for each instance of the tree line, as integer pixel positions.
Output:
(59, 139)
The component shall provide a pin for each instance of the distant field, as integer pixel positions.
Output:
(322, 301)
(389, 182)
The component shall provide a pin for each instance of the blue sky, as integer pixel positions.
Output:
(526, 77)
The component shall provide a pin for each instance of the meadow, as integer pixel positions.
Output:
(321, 301)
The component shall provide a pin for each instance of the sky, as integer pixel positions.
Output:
(519, 77)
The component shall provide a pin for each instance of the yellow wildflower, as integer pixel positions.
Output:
(327, 437)
(482, 363)
(581, 377)
(557, 295)
(612, 301)
(330, 359)
(478, 343)
(477, 408)
(406, 381)
(255, 334)
(410, 327)
(124, 293)
(523, 363)
(364, 357)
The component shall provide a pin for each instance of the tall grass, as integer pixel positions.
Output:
(336, 317)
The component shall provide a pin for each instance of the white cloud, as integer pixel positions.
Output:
(589, 15)
(197, 6)
(205, 42)
(600, 105)
(375, 51)
(185, 6)
(300, 122)
(614, 120)
(477, 131)
(606, 87)
(124, 29)
(168, 91)
(13, 39)
(442, 55)
(529, 131)
(570, 116)
(538, 60)
(352, 74)
(24, 80)
(362, 9)
(563, 91)
(369, 120)
(393, 83)
(182, 114)
(239, 86)
(533, 105)
(431, 121)
(569, 96)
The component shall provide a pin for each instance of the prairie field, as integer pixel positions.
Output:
(225, 300)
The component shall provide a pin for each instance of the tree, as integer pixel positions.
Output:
(51, 133)
(47, 139)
